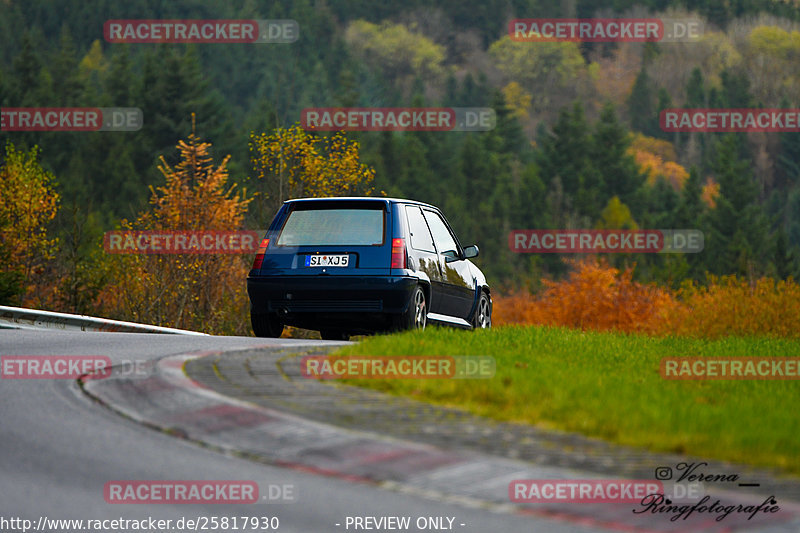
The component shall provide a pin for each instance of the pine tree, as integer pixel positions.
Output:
(25, 75)
(564, 154)
(690, 209)
(664, 102)
(64, 68)
(640, 105)
(735, 89)
(619, 174)
(696, 97)
(788, 158)
(695, 89)
(738, 231)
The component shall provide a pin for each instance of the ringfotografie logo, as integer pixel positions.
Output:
(663, 504)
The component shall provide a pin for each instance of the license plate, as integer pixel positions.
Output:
(327, 260)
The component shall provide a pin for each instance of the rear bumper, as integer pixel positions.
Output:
(354, 303)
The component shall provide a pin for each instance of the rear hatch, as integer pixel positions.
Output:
(330, 238)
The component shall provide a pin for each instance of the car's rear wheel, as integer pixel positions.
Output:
(266, 324)
(333, 335)
(416, 316)
(483, 315)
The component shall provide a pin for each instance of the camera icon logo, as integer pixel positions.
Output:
(663, 473)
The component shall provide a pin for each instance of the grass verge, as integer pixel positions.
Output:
(608, 385)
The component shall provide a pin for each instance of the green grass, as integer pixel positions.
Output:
(608, 386)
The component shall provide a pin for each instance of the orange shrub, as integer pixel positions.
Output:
(598, 297)
(595, 296)
(734, 306)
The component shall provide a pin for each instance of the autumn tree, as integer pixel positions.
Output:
(542, 70)
(203, 292)
(657, 159)
(293, 163)
(399, 52)
(771, 55)
(28, 202)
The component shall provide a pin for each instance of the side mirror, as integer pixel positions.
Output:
(450, 256)
(471, 251)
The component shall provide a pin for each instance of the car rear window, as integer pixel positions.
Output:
(333, 227)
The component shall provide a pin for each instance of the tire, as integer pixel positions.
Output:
(266, 325)
(416, 316)
(333, 335)
(483, 314)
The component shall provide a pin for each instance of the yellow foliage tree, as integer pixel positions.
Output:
(28, 202)
(539, 68)
(772, 55)
(292, 163)
(204, 292)
(517, 99)
(710, 193)
(93, 60)
(663, 149)
(657, 159)
(398, 51)
(616, 215)
(615, 71)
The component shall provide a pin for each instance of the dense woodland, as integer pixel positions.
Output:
(577, 142)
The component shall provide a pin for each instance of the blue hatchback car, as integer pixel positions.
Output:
(347, 266)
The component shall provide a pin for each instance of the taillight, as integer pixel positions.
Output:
(398, 253)
(262, 249)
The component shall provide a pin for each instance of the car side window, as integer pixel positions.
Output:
(441, 235)
(420, 235)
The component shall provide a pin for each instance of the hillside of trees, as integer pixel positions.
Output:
(577, 142)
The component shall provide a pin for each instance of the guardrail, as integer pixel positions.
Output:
(18, 317)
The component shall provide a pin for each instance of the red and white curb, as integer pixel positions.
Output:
(167, 399)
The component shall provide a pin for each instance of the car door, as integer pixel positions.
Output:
(458, 286)
(422, 256)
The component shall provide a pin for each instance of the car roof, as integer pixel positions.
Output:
(364, 198)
